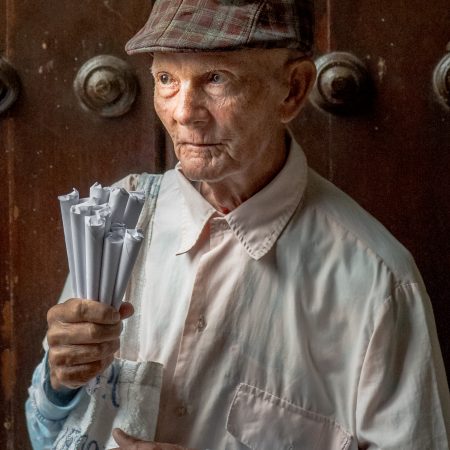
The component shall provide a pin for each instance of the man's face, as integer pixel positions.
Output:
(221, 111)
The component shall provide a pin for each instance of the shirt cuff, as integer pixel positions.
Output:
(61, 397)
(51, 404)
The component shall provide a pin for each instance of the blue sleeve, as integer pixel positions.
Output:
(46, 409)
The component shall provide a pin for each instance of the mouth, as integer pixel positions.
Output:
(196, 144)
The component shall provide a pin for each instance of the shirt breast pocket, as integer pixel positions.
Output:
(262, 421)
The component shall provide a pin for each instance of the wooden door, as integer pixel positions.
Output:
(48, 145)
(391, 155)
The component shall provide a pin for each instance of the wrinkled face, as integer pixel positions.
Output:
(220, 109)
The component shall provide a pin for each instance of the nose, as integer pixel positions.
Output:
(190, 108)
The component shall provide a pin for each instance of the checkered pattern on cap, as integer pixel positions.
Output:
(208, 25)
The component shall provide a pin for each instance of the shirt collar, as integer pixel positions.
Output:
(258, 222)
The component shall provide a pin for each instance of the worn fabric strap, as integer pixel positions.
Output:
(129, 347)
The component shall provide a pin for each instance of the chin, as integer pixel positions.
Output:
(196, 173)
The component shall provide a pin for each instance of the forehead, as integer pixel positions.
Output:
(242, 61)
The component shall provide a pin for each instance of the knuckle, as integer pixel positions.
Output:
(59, 333)
(54, 358)
(80, 309)
(94, 332)
(59, 373)
(52, 362)
(51, 337)
(62, 358)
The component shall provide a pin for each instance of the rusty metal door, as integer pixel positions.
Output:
(49, 143)
(378, 129)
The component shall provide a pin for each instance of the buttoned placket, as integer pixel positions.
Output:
(196, 322)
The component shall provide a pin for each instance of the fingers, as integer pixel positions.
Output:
(72, 355)
(83, 336)
(63, 333)
(75, 376)
(126, 310)
(123, 438)
(81, 310)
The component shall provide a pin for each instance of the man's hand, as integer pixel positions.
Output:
(83, 336)
(127, 442)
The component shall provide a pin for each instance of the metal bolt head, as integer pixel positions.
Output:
(342, 84)
(106, 85)
(441, 80)
(9, 85)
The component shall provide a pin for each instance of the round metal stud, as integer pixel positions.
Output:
(9, 85)
(106, 85)
(441, 80)
(343, 83)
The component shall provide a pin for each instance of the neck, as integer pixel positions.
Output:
(227, 195)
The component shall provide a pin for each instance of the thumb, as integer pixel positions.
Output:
(126, 310)
(123, 438)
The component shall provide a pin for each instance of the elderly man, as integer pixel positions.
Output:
(284, 315)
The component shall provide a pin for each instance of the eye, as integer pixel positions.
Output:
(216, 78)
(164, 79)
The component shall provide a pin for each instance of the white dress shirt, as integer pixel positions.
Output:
(296, 321)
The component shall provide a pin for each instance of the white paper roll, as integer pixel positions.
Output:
(99, 193)
(112, 248)
(133, 209)
(77, 215)
(131, 245)
(118, 199)
(94, 234)
(66, 202)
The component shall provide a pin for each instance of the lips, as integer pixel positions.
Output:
(195, 144)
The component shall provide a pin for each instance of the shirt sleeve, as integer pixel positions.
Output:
(46, 410)
(403, 398)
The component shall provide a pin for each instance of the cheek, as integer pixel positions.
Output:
(162, 109)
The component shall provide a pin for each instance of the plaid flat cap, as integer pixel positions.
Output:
(209, 25)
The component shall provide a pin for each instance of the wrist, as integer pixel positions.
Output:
(57, 393)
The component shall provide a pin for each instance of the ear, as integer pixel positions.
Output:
(301, 75)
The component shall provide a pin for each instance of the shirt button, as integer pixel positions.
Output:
(201, 323)
(181, 411)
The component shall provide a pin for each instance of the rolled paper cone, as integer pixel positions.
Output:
(119, 227)
(133, 209)
(77, 215)
(94, 229)
(112, 248)
(99, 193)
(66, 202)
(104, 211)
(131, 245)
(118, 199)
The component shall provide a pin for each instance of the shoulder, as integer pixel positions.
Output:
(339, 217)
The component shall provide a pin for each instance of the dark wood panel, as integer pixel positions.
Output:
(394, 157)
(57, 145)
(6, 318)
(7, 357)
